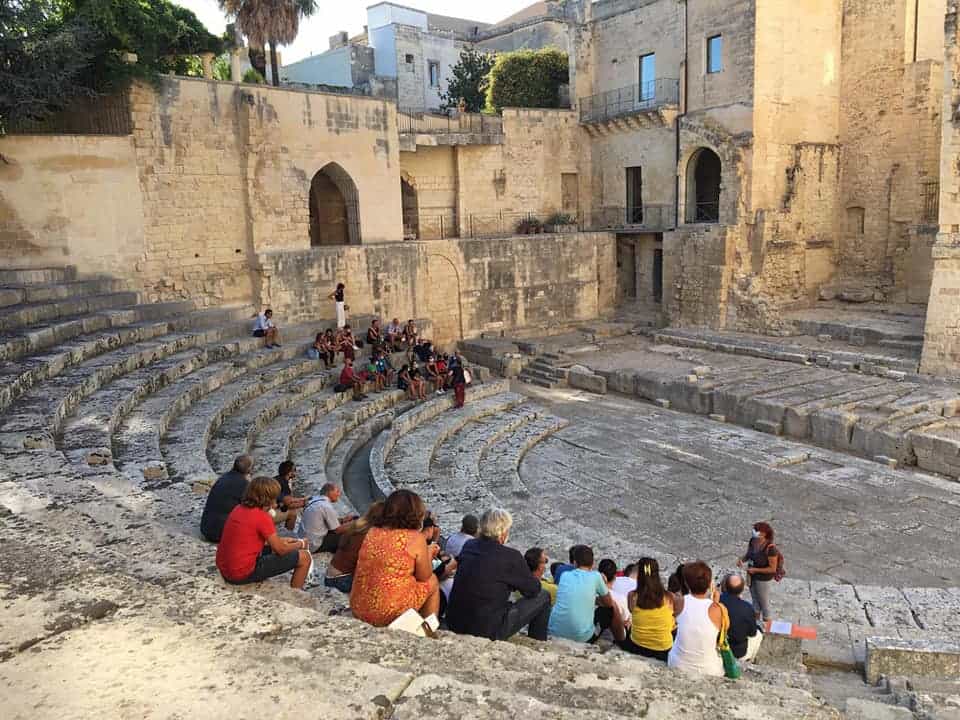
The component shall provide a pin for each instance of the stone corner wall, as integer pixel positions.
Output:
(696, 274)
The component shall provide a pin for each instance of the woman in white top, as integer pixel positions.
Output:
(338, 298)
(698, 625)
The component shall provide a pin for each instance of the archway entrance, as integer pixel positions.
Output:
(703, 187)
(411, 210)
(334, 216)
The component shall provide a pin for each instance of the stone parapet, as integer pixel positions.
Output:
(941, 347)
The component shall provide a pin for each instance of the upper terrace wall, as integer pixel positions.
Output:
(70, 199)
(213, 174)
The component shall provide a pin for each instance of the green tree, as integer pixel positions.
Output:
(527, 78)
(252, 75)
(469, 81)
(269, 22)
(43, 59)
(221, 68)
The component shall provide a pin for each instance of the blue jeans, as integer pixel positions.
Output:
(343, 583)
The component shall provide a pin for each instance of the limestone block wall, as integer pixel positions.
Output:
(70, 199)
(697, 262)
(890, 131)
(464, 287)
(432, 172)
(941, 346)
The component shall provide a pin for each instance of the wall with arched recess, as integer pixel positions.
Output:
(464, 287)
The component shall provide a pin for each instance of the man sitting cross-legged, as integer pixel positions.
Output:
(583, 601)
(743, 634)
(321, 525)
(350, 379)
(488, 572)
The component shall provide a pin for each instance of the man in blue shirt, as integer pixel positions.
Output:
(583, 602)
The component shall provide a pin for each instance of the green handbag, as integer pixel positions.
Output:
(731, 668)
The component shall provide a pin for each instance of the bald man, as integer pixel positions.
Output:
(744, 636)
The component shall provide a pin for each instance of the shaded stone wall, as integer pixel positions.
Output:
(697, 262)
(70, 199)
(941, 346)
(464, 287)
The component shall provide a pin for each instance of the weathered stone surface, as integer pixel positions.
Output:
(912, 658)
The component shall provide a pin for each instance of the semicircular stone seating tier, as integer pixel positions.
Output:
(116, 417)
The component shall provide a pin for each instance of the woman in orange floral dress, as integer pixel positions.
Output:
(395, 567)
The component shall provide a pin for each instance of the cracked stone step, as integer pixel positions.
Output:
(26, 314)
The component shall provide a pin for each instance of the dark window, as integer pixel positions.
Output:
(634, 195)
(408, 58)
(715, 54)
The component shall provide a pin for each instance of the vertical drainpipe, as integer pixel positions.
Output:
(683, 111)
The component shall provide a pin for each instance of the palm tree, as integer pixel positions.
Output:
(276, 22)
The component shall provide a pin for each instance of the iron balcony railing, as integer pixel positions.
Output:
(654, 217)
(930, 192)
(704, 212)
(629, 100)
(421, 122)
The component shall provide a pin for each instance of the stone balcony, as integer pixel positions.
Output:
(653, 104)
(432, 129)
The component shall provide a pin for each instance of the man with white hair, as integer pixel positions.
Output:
(488, 572)
(743, 635)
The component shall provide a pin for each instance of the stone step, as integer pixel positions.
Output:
(24, 315)
(409, 421)
(184, 444)
(540, 382)
(16, 294)
(39, 276)
(136, 443)
(535, 372)
(237, 433)
(39, 413)
(408, 464)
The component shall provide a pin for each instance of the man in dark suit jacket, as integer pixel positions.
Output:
(744, 636)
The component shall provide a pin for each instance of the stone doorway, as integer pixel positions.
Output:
(334, 216)
(570, 194)
(703, 187)
(626, 269)
(411, 210)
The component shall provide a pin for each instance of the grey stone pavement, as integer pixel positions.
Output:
(688, 486)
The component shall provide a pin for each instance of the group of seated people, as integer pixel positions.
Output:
(393, 559)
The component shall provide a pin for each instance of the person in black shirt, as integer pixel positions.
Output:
(224, 496)
(289, 504)
(459, 381)
(341, 306)
(488, 571)
(743, 634)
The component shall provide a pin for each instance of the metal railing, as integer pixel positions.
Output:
(629, 100)
(97, 115)
(415, 121)
(930, 193)
(640, 217)
(705, 212)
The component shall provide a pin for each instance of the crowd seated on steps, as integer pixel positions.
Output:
(394, 560)
(423, 365)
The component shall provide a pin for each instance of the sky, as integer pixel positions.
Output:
(351, 15)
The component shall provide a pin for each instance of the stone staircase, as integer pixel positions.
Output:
(115, 417)
(547, 370)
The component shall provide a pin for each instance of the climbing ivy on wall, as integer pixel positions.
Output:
(527, 79)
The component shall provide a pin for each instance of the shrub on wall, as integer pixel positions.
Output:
(527, 79)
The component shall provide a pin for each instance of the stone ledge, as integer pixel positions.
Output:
(934, 657)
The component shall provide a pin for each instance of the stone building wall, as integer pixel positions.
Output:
(890, 131)
(70, 199)
(941, 346)
(465, 287)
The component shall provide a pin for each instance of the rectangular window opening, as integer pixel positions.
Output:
(634, 214)
(434, 73)
(647, 77)
(715, 54)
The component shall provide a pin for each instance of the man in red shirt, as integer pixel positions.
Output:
(349, 378)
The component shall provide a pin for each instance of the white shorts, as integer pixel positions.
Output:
(341, 314)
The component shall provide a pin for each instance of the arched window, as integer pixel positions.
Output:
(334, 214)
(703, 187)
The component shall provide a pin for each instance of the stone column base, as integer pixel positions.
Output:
(941, 343)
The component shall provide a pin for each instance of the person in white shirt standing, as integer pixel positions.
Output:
(339, 300)
(265, 328)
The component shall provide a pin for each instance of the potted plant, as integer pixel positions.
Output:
(560, 223)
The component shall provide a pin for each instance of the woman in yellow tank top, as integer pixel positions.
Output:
(653, 611)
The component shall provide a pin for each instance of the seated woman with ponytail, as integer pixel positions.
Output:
(652, 611)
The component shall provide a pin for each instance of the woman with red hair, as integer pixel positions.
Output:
(762, 560)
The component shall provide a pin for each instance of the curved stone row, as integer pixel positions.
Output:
(385, 442)
(31, 313)
(238, 432)
(184, 443)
